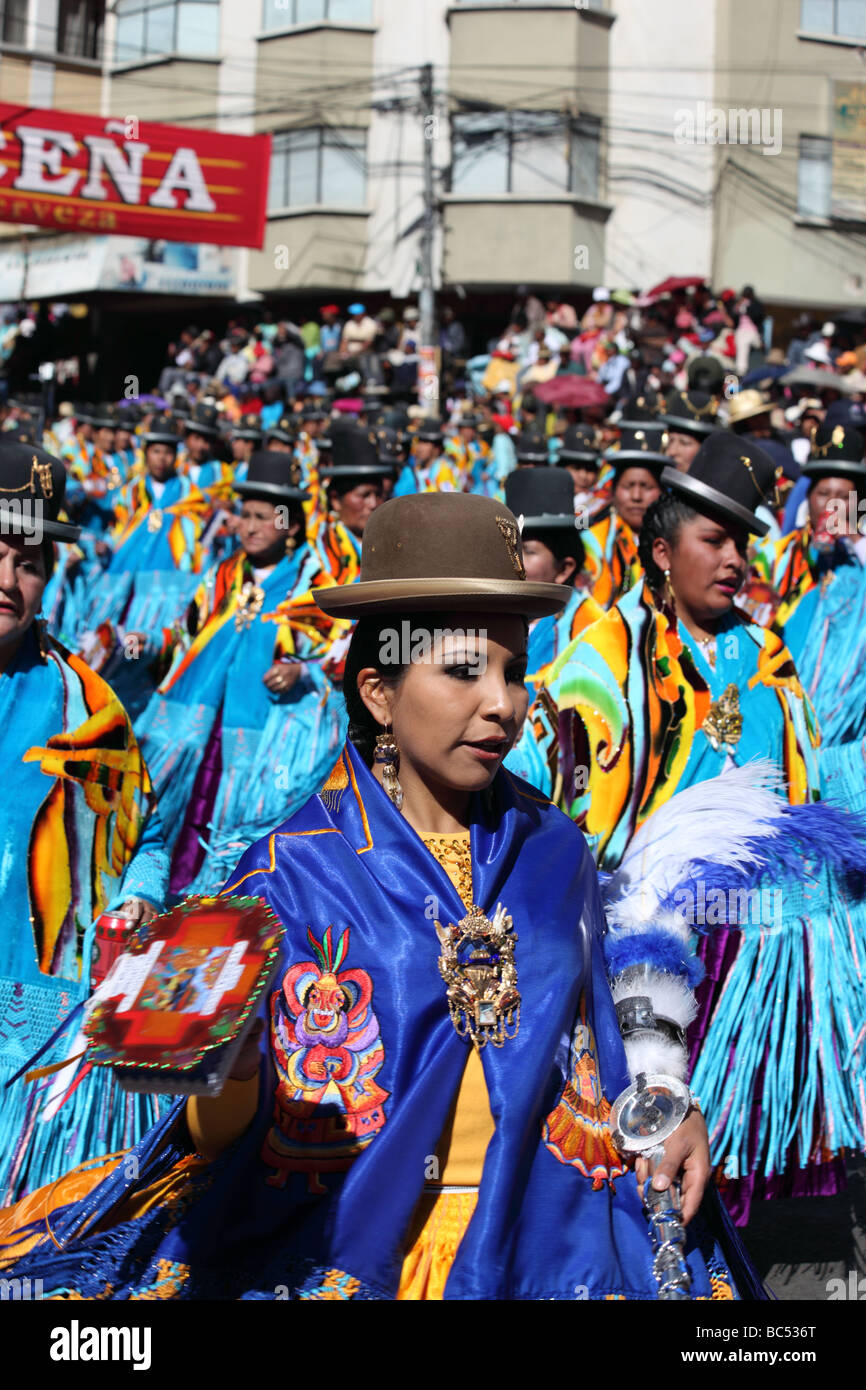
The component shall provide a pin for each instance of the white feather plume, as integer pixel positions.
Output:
(712, 820)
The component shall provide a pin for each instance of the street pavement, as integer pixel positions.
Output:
(800, 1245)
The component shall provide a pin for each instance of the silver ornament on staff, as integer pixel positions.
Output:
(643, 1117)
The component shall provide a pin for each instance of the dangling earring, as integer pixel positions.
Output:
(669, 590)
(291, 544)
(42, 637)
(387, 755)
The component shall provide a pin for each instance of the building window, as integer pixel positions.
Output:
(845, 19)
(280, 14)
(313, 166)
(14, 23)
(527, 152)
(79, 28)
(151, 28)
(814, 176)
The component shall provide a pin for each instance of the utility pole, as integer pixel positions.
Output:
(426, 299)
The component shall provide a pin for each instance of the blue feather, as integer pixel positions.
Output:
(657, 948)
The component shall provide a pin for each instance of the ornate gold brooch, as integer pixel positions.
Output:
(724, 722)
(477, 965)
(154, 520)
(250, 601)
(511, 536)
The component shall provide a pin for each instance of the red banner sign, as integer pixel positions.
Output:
(92, 174)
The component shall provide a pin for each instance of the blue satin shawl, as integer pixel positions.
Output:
(555, 1218)
(542, 1228)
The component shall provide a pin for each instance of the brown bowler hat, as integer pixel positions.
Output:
(442, 550)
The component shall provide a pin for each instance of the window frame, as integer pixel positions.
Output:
(834, 32)
(826, 141)
(574, 126)
(337, 140)
(125, 9)
(291, 20)
(11, 22)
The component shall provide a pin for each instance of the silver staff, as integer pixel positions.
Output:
(643, 1117)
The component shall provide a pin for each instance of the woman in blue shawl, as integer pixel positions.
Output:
(80, 837)
(245, 697)
(430, 1117)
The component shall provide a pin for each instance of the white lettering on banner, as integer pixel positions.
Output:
(105, 156)
(184, 172)
(230, 974)
(41, 150)
(42, 154)
(127, 976)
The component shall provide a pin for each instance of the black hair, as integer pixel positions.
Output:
(347, 482)
(662, 521)
(366, 649)
(563, 542)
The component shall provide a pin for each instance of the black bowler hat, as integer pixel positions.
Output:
(202, 419)
(105, 417)
(579, 446)
(356, 455)
(285, 430)
(532, 448)
(274, 476)
(543, 497)
(636, 410)
(429, 430)
(33, 491)
(23, 431)
(84, 413)
(162, 431)
(728, 476)
(389, 446)
(128, 415)
(837, 452)
(640, 445)
(248, 427)
(690, 412)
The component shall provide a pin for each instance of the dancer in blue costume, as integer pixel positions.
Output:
(542, 499)
(246, 438)
(812, 586)
(198, 460)
(354, 487)
(244, 691)
(151, 575)
(667, 690)
(313, 1177)
(428, 468)
(80, 836)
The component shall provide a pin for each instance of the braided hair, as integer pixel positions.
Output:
(662, 521)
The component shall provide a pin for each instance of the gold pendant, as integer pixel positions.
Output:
(250, 601)
(724, 722)
(154, 520)
(477, 965)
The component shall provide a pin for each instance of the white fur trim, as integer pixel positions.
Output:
(651, 1052)
(670, 996)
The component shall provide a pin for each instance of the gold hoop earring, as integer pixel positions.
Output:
(387, 755)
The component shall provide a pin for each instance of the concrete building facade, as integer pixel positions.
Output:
(575, 142)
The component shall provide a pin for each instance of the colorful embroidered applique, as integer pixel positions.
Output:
(577, 1130)
(327, 1050)
(336, 1286)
